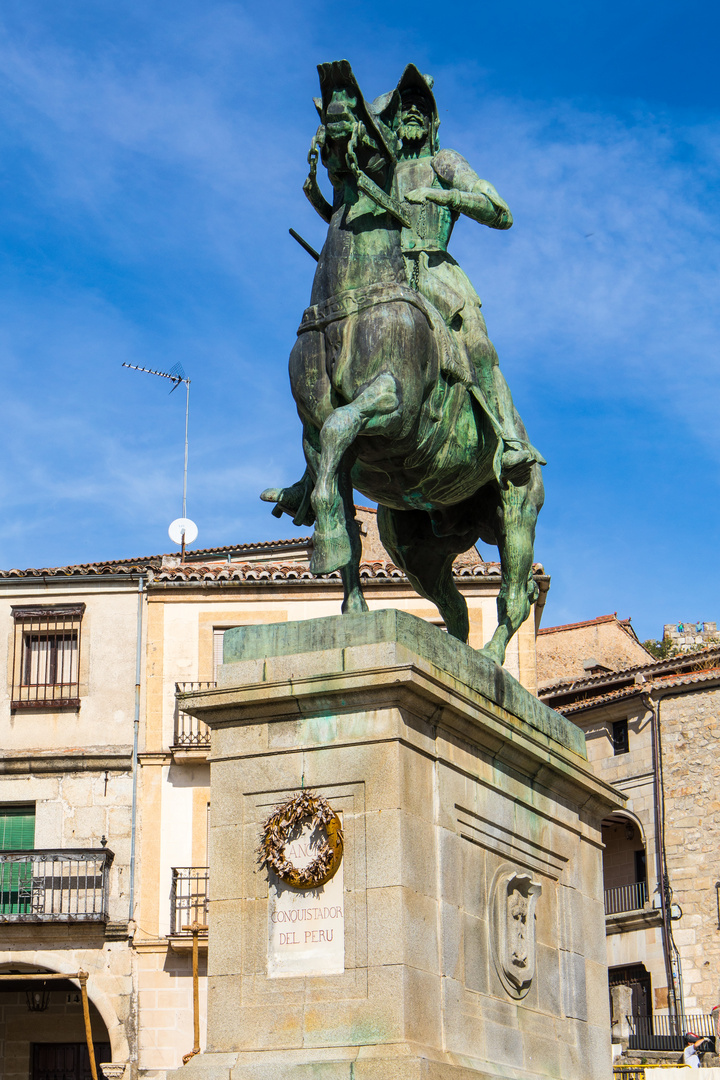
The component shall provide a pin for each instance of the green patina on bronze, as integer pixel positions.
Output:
(395, 379)
(392, 628)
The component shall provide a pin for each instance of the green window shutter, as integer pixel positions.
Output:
(17, 832)
(17, 828)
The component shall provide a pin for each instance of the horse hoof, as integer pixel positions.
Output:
(331, 552)
(495, 656)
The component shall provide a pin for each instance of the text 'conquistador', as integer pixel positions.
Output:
(306, 914)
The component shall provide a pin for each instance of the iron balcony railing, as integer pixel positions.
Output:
(626, 898)
(188, 897)
(191, 733)
(70, 885)
(666, 1032)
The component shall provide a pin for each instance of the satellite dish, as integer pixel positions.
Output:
(180, 526)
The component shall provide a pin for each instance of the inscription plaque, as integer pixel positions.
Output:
(306, 927)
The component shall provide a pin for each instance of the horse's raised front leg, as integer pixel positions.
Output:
(375, 409)
(515, 534)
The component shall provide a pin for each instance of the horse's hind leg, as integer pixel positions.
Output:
(374, 409)
(427, 559)
(516, 512)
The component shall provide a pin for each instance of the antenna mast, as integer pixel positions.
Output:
(176, 375)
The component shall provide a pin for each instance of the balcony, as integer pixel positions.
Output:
(622, 898)
(48, 886)
(188, 898)
(191, 733)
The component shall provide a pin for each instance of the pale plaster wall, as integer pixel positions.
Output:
(165, 1015)
(107, 673)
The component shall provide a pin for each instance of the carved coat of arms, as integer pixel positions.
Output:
(513, 898)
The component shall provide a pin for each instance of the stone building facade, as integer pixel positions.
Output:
(67, 707)
(577, 650)
(653, 730)
(135, 814)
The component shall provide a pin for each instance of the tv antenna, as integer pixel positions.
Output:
(182, 530)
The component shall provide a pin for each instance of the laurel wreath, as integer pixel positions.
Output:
(280, 827)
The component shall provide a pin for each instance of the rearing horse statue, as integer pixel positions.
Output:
(372, 376)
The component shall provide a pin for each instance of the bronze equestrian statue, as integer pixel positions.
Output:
(395, 379)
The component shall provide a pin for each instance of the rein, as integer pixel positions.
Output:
(363, 181)
(368, 186)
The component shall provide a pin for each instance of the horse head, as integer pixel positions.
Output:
(351, 136)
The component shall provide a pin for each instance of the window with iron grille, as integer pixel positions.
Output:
(46, 656)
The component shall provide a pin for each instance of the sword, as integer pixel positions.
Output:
(304, 244)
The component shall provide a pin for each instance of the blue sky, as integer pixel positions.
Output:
(152, 159)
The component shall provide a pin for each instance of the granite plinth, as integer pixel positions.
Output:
(474, 932)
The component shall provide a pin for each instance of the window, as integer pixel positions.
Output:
(17, 833)
(218, 645)
(46, 656)
(620, 740)
(640, 865)
(17, 828)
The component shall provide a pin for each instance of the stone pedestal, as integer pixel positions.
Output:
(470, 901)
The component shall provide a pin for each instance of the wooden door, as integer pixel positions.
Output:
(66, 1061)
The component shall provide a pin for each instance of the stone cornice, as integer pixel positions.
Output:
(64, 760)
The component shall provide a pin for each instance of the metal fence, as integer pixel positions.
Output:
(191, 733)
(188, 897)
(54, 886)
(666, 1032)
(626, 898)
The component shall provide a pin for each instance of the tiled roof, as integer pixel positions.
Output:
(141, 564)
(650, 670)
(687, 677)
(586, 622)
(602, 699)
(659, 676)
(257, 572)
(122, 566)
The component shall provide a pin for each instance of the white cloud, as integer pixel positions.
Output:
(609, 276)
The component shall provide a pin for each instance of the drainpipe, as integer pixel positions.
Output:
(136, 731)
(670, 951)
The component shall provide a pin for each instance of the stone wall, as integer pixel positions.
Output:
(690, 635)
(582, 649)
(61, 1022)
(690, 727)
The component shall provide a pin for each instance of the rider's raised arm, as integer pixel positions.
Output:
(470, 195)
(318, 200)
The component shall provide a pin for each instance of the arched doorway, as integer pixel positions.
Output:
(42, 1030)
